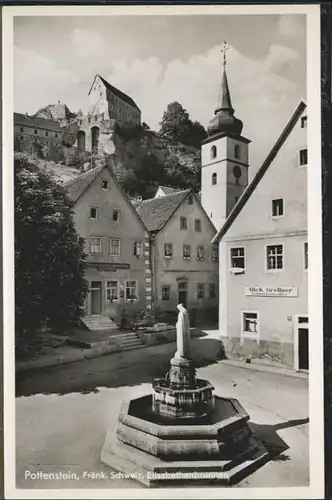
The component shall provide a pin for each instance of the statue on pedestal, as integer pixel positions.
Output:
(182, 372)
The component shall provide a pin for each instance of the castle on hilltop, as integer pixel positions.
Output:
(81, 133)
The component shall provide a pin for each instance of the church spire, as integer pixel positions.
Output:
(225, 102)
(224, 120)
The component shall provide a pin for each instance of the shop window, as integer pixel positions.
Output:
(250, 323)
(112, 291)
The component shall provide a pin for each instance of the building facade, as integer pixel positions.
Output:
(263, 254)
(38, 136)
(184, 264)
(116, 244)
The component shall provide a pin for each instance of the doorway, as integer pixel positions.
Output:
(81, 141)
(301, 343)
(94, 140)
(183, 293)
(95, 297)
(303, 348)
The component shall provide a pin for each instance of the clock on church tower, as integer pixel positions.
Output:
(224, 157)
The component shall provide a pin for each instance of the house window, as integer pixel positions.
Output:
(274, 257)
(213, 152)
(237, 151)
(35, 131)
(215, 254)
(56, 135)
(165, 292)
(21, 129)
(238, 258)
(21, 138)
(112, 291)
(200, 252)
(104, 184)
(249, 323)
(138, 248)
(186, 252)
(200, 290)
(116, 215)
(277, 207)
(303, 156)
(304, 122)
(306, 255)
(183, 223)
(190, 199)
(198, 225)
(46, 134)
(114, 246)
(95, 244)
(93, 213)
(212, 290)
(131, 290)
(214, 179)
(168, 250)
(89, 119)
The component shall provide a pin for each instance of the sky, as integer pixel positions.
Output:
(161, 59)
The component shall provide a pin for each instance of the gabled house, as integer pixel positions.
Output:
(116, 243)
(263, 257)
(183, 262)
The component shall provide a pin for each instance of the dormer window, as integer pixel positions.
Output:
(214, 179)
(213, 152)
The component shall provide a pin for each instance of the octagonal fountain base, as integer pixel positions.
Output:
(158, 450)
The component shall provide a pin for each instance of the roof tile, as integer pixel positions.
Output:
(157, 211)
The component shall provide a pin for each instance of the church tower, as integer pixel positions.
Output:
(224, 157)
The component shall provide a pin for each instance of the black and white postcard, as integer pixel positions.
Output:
(162, 252)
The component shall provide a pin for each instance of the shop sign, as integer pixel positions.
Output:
(272, 291)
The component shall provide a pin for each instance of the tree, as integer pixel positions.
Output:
(49, 259)
(175, 123)
(177, 126)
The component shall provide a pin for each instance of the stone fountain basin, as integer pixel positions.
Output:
(219, 434)
(159, 451)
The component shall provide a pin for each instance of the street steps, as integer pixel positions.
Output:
(98, 323)
(123, 341)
